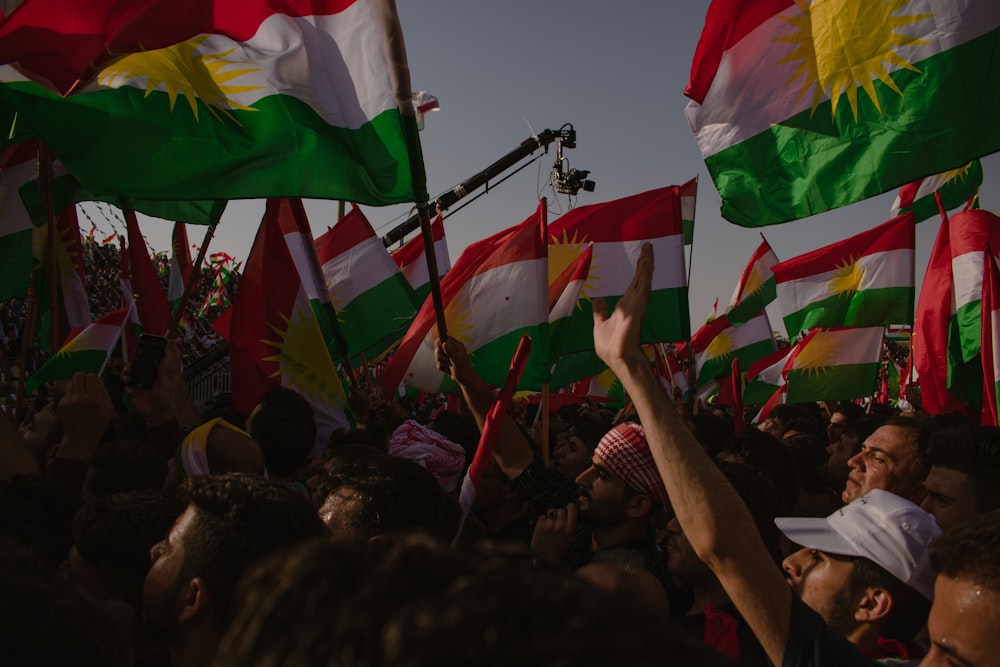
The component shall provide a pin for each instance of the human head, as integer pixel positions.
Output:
(893, 458)
(112, 536)
(41, 429)
(966, 613)
(622, 482)
(284, 428)
(852, 434)
(364, 493)
(125, 465)
(573, 456)
(964, 479)
(625, 570)
(842, 414)
(215, 447)
(889, 532)
(229, 521)
(413, 602)
(431, 450)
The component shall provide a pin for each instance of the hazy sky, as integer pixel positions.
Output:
(617, 72)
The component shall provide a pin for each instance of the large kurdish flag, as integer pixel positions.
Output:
(864, 280)
(242, 101)
(834, 364)
(374, 302)
(801, 107)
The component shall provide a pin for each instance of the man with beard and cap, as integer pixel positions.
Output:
(612, 503)
(857, 583)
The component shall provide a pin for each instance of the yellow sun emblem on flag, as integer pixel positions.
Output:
(565, 251)
(606, 380)
(65, 251)
(457, 317)
(303, 361)
(847, 278)
(721, 346)
(180, 69)
(953, 175)
(755, 281)
(816, 357)
(841, 45)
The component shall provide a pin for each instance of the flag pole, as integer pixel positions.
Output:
(490, 431)
(432, 268)
(191, 282)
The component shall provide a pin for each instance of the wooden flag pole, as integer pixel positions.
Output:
(432, 269)
(191, 282)
(27, 336)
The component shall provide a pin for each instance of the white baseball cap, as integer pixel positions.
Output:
(886, 529)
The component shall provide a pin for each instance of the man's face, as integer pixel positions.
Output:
(836, 426)
(949, 496)
(41, 430)
(822, 581)
(571, 457)
(888, 461)
(836, 470)
(963, 624)
(603, 495)
(161, 603)
(682, 563)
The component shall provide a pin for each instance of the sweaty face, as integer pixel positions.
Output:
(949, 496)
(161, 602)
(822, 581)
(888, 461)
(603, 495)
(963, 624)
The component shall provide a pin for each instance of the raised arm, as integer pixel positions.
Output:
(512, 452)
(714, 518)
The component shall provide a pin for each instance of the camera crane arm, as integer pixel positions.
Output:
(565, 134)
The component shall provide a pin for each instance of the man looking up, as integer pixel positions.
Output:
(721, 530)
(893, 458)
(965, 473)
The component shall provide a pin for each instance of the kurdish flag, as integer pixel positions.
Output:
(955, 187)
(801, 107)
(991, 338)
(220, 100)
(688, 194)
(970, 233)
(85, 351)
(756, 287)
(717, 343)
(932, 321)
(278, 336)
(374, 303)
(765, 377)
(618, 229)
(864, 280)
(496, 292)
(412, 261)
(834, 364)
(180, 265)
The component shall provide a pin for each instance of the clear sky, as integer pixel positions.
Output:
(617, 72)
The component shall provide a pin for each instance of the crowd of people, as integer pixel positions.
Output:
(102, 268)
(148, 532)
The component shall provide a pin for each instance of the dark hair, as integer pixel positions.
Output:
(114, 533)
(809, 454)
(711, 431)
(921, 462)
(414, 602)
(126, 465)
(240, 518)
(852, 411)
(590, 432)
(38, 512)
(285, 429)
(772, 459)
(909, 608)
(968, 551)
(763, 500)
(46, 620)
(973, 451)
(395, 494)
(862, 428)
